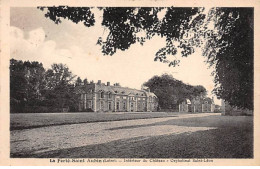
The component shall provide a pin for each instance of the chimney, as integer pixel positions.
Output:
(108, 83)
(99, 82)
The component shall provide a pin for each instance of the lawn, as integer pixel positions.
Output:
(232, 138)
(35, 120)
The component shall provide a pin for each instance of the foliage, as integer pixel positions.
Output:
(26, 84)
(227, 46)
(75, 14)
(171, 91)
(32, 89)
(60, 86)
(127, 25)
(231, 52)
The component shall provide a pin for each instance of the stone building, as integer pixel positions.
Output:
(197, 104)
(100, 97)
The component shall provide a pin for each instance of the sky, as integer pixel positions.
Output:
(36, 38)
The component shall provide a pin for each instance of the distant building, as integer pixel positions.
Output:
(197, 104)
(101, 97)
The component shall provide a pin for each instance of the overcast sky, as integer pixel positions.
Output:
(36, 38)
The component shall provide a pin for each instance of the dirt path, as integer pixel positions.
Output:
(38, 140)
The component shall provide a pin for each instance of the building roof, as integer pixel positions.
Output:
(114, 90)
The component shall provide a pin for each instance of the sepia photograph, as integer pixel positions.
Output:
(131, 84)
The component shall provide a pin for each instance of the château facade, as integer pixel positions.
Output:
(100, 97)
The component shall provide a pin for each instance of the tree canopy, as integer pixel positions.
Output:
(171, 92)
(34, 89)
(228, 45)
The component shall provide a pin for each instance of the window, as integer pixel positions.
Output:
(101, 105)
(109, 95)
(109, 106)
(124, 105)
(82, 96)
(102, 95)
(117, 105)
(90, 104)
(139, 106)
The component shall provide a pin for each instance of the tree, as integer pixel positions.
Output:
(231, 52)
(60, 87)
(171, 92)
(125, 24)
(184, 29)
(26, 84)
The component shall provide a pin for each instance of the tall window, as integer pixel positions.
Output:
(102, 105)
(124, 105)
(102, 95)
(109, 95)
(90, 104)
(117, 105)
(139, 106)
(109, 105)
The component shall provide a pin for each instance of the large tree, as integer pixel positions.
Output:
(27, 82)
(171, 92)
(60, 87)
(230, 51)
(229, 48)
(32, 89)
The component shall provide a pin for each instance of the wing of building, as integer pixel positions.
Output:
(100, 97)
(197, 105)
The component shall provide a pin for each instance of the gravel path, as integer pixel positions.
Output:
(38, 140)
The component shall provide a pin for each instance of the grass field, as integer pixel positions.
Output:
(227, 137)
(35, 120)
(233, 138)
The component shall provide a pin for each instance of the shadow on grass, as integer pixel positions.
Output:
(233, 138)
(208, 121)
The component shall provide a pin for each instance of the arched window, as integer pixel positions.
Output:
(109, 95)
